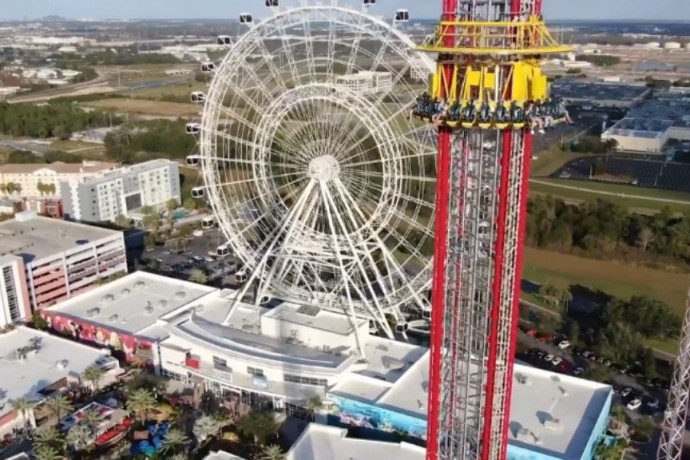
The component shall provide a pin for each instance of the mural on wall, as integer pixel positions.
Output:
(355, 413)
(131, 346)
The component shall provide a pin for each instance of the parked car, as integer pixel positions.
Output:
(556, 361)
(564, 344)
(653, 403)
(548, 358)
(578, 371)
(634, 404)
(625, 392)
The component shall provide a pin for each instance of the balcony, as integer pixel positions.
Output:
(227, 377)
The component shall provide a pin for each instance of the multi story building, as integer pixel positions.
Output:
(367, 82)
(14, 295)
(61, 258)
(122, 191)
(43, 180)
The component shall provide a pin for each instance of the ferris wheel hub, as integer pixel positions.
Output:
(324, 168)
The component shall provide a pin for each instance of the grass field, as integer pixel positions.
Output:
(621, 280)
(625, 195)
(145, 107)
(183, 90)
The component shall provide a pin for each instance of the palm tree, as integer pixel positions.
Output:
(51, 438)
(47, 453)
(272, 452)
(91, 420)
(175, 440)
(122, 221)
(22, 406)
(141, 401)
(313, 405)
(205, 427)
(197, 276)
(93, 375)
(3, 188)
(58, 405)
(79, 437)
(259, 425)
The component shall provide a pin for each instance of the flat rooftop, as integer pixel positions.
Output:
(87, 167)
(33, 237)
(551, 413)
(321, 442)
(131, 303)
(314, 317)
(598, 92)
(646, 128)
(52, 359)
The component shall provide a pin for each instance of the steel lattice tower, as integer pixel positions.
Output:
(490, 55)
(673, 429)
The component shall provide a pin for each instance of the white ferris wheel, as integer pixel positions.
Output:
(322, 186)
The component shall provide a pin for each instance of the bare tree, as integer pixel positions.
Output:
(645, 237)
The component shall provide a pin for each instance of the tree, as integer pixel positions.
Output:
(313, 405)
(174, 441)
(644, 427)
(91, 420)
(573, 331)
(58, 406)
(618, 413)
(272, 452)
(3, 188)
(146, 381)
(38, 321)
(197, 276)
(22, 406)
(149, 241)
(205, 427)
(93, 375)
(260, 426)
(51, 438)
(47, 453)
(598, 374)
(80, 437)
(122, 221)
(171, 205)
(645, 237)
(151, 221)
(141, 401)
(649, 363)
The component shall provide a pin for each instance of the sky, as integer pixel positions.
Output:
(180, 9)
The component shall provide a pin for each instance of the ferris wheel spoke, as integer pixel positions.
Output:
(399, 76)
(268, 59)
(331, 209)
(287, 51)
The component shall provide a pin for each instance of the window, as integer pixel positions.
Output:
(305, 380)
(255, 371)
(219, 362)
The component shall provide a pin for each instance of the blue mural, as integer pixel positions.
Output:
(355, 413)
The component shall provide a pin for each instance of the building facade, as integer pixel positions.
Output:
(43, 180)
(61, 259)
(122, 191)
(14, 295)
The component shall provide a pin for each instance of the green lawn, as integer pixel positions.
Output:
(619, 194)
(183, 90)
(617, 279)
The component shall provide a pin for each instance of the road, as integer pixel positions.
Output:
(36, 148)
(600, 192)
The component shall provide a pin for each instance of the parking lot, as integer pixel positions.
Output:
(178, 259)
(638, 395)
(643, 172)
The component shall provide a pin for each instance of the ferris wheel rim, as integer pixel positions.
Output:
(212, 108)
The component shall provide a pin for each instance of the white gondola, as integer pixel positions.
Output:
(241, 276)
(369, 2)
(192, 160)
(198, 97)
(222, 251)
(402, 16)
(208, 67)
(193, 128)
(246, 18)
(401, 327)
(271, 3)
(224, 40)
(198, 192)
(208, 223)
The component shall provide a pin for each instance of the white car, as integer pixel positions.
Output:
(626, 391)
(556, 361)
(549, 358)
(634, 404)
(564, 344)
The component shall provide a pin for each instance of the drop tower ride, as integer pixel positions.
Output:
(489, 73)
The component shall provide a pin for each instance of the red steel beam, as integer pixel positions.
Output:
(438, 286)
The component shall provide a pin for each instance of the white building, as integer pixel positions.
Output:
(121, 191)
(14, 295)
(36, 365)
(34, 180)
(367, 82)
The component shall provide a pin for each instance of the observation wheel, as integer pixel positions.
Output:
(317, 177)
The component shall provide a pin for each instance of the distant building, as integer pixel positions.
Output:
(40, 180)
(61, 259)
(367, 82)
(14, 295)
(121, 191)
